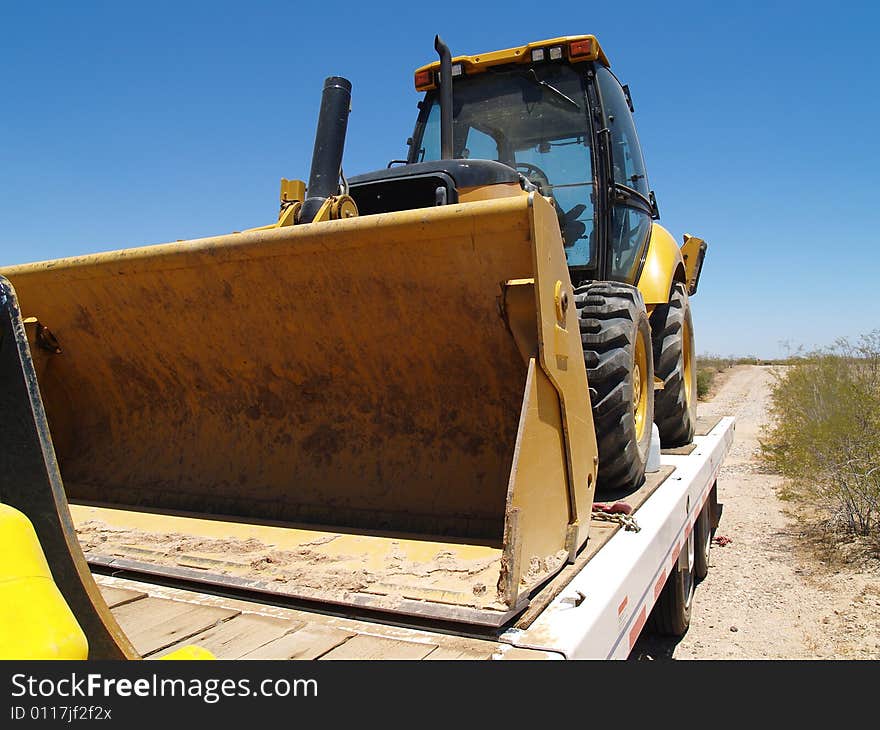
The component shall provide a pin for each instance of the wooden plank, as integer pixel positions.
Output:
(238, 636)
(637, 497)
(348, 626)
(119, 596)
(309, 642)
(153, 624)
(702, 428)
(364, 646)
(451, 652)
(705, 425)
(316, 634)
(679, 450)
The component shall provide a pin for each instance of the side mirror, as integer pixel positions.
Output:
(655, 211)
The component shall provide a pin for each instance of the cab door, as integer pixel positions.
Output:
(631, 202)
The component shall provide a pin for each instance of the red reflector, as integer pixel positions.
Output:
(581, 48)
(423, 78)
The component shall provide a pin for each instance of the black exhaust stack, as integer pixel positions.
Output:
(445, 98)
(329, 143)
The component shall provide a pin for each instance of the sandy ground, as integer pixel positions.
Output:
(768, 595)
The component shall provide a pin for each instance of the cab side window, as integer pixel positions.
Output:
(479, 146)
(630, 220)
(626, 153)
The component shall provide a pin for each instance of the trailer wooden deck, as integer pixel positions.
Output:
(160, 619)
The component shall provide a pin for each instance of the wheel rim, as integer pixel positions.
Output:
(706, 532)
(688, 575)
(688, 363)
(640, 387)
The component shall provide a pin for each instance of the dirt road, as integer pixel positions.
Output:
(767, 596)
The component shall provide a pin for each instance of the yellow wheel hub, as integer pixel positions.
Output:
(688, 364)
(640, 387)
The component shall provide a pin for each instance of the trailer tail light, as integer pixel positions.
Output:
(581, 49)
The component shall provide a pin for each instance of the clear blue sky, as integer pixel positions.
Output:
(126, 124)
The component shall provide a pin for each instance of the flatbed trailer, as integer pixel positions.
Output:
(595, 608)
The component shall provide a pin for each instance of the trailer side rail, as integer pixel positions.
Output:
(604, 608)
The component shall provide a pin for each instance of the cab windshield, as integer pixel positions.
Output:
(534, 120)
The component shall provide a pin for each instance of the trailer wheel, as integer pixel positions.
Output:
(702, 541)
(715, 507)
(672, 612)
(672, 331)
(616, 339)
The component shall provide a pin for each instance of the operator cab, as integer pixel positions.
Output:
(553, 112)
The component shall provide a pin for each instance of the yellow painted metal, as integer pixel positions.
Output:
(519, 54)
(488, 192)
(561, 357)
(539, 512)
(292, 191)
(188, 653)
(640, 387)
(286, 375)
(518, 305)
(292, 195)
(687, 348)
(32, 483)
(310, 562)
(663, 265)
(335, 208)
(286, 217)
(35, 620)
(692, 251)
(342, 206)
(556, 438)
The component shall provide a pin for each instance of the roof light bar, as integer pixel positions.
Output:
(581, 48)
(424, 79)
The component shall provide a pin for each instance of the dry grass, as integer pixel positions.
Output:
(824, 438)
(830, 547)
(710, 366)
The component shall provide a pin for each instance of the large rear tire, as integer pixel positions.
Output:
(616, 339)
(675, 405)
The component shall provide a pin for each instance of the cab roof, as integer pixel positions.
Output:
(572, 48)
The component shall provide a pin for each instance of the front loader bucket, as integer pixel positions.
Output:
(392, 408)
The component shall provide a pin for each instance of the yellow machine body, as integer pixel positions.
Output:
(663, 265)
(572, 48)
(35, 620)
(280, 376)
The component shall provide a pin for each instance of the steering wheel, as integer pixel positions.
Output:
(536, 175)
(572, 229)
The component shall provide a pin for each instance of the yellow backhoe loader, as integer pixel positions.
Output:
(399, 397)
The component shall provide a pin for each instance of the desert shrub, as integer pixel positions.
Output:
(705, 376)
(825, 432)
(708, 366)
